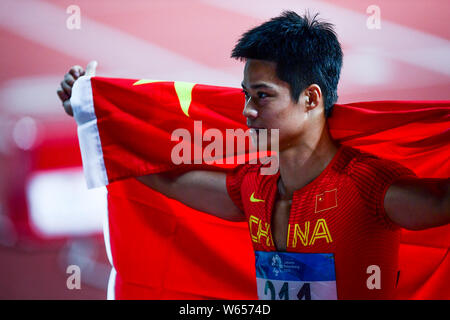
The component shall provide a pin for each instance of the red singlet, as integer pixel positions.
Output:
(341, 212)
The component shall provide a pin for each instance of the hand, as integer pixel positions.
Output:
(65, 90)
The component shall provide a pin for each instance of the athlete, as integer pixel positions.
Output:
(327, 224)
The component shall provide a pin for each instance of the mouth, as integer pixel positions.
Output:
(254, 127)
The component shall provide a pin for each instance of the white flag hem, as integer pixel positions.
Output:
(88, 135)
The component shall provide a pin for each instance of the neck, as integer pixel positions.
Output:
(305, 160)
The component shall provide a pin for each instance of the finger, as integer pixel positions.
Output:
(62, 95)
(76, 71)
(68, 107)
(90, 68)
(69, 79)
(67, 89)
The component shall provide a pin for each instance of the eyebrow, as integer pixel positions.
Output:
(259, 86)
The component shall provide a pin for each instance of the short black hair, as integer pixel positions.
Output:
(305, 51)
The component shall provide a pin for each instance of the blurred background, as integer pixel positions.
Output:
(393, 50)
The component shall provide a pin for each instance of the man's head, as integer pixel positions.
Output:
(304, 50)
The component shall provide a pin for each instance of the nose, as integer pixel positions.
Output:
(249, 110)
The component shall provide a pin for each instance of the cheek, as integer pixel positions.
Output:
(290, 122)
(277, 110)
(290, 116)
(281, 114)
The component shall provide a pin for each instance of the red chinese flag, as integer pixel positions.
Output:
(161, 249)
(326, 200)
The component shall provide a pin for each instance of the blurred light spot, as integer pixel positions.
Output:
(367, 68)
(34, 95)
(24, 133)
(61, 205)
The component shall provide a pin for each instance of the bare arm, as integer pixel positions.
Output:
(418, 204)
(201, 190)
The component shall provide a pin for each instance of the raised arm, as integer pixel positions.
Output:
(201, 190)
(418, 204)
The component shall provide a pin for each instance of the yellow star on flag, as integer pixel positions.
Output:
(184, 93)
(183, 90)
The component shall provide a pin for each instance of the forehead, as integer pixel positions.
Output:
(257, 71)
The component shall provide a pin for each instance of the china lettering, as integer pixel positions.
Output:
(307, 235)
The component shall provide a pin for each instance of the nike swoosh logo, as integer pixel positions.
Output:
(253, 199)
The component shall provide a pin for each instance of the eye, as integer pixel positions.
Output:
(262, 95)
(246, 94)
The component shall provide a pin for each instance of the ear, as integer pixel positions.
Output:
(313, 97)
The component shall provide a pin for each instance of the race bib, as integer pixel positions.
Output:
(295, 276)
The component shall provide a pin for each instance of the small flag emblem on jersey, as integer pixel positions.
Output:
(326, 200)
